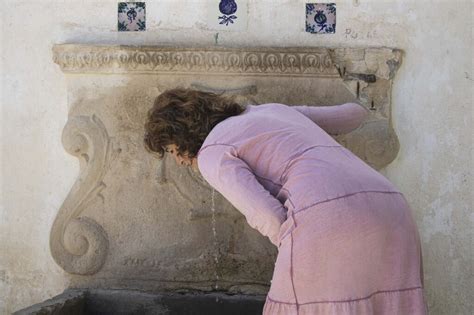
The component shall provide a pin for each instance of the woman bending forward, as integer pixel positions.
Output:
(347, 242)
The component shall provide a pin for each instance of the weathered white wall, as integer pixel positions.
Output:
(432, 115)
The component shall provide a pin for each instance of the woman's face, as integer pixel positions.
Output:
(182, 160)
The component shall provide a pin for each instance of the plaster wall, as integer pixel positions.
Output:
(431, 112)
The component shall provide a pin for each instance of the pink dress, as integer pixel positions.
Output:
(347, 241)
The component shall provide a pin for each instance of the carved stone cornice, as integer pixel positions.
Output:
(216, 60)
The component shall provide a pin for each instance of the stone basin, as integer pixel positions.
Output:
(116, 302)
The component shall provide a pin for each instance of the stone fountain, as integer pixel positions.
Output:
(137, 235)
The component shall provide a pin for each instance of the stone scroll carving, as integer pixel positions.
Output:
(78, 243)
(155, 229)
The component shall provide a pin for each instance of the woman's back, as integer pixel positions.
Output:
(288, 152)
(347, 242)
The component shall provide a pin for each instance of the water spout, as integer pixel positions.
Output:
(214, 233)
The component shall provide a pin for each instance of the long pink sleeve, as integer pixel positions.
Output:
(336, 119)
(234, 179)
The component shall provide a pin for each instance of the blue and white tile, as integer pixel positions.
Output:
(131, 16)
(321, 18)
(231, 15)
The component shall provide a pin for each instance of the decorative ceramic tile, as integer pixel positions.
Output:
(321, 18)
(228, 8)
(131, 16)
(227, 14)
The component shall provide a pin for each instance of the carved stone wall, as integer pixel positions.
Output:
(132, 221)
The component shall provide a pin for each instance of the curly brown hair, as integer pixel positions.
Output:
(185, 117)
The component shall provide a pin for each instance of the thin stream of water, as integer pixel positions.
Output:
(214, 232)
